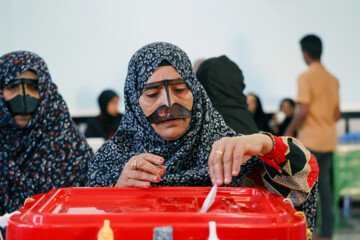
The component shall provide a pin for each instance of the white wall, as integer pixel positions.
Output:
(88, 43)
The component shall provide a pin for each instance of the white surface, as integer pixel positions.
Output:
(95, 143)
(88, 43)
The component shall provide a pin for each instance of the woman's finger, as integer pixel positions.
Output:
(137, 183)
(215, 162)
(155, 159)
(227, 159)
(144, 176)
(238, 154)
(145, 166)
(147, 162)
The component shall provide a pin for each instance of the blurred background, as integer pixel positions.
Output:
(87, 44)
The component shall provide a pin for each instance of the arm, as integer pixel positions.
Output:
(290, 169)
(300, 115)
(337, 114)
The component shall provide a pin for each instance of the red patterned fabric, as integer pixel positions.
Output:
(313, 175)
(277, 155)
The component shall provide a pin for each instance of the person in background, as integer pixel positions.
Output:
(41, 148)
(106, 124)
(223, 82)
(283, 117)
(315, 119)
(260, 118)
(171, 135)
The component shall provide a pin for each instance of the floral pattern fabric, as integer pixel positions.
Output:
(49, 152)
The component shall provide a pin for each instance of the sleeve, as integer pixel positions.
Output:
(289, 169)
(304, 90)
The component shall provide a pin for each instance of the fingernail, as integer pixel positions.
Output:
(234, 173)
(161, 172)
(160, 161)
(147, 185)
(218, 182)
(227, 180)
(157, 179)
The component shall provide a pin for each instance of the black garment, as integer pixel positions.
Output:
(283, 126)
(224, 83)
(262, 123)
(325, 161)
(102, 127)
(259, 116)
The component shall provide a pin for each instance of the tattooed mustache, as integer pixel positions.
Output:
(164, 113)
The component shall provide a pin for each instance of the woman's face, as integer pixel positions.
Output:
(251, 101)
(11, 92)
(152, 99)
(112, 107)
(287, 108)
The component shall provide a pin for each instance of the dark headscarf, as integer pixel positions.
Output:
(283, 126)
(259, 116)
(224, 83)
(104, 125)
(104, 99)
(49, 152)
(186, 158)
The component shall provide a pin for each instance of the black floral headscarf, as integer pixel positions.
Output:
(49, 152)
(186, 158)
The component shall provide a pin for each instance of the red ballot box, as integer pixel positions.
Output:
(79, 213)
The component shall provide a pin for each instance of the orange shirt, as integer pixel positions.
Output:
(320, 90)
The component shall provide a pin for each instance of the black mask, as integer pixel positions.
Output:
(22, 104)
(164, 112)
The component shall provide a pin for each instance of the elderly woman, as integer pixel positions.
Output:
(171, 135)
(40, 146)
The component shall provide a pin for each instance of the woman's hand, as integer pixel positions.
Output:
(140, 170)
(229, 153)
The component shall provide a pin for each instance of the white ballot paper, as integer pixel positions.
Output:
(209, 200)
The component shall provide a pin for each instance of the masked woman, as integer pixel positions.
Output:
(171, 135)
(40, 146)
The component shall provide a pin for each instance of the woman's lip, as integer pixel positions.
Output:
(23, 116)
(171, 120)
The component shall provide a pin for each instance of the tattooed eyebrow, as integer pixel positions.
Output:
(157, 85)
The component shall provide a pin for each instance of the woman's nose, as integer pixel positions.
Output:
(166, 98)
(20, 90)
